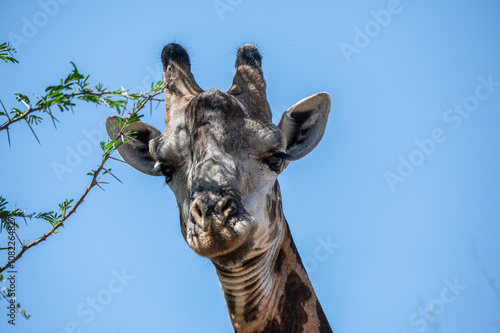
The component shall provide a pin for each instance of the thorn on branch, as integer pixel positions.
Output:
(8, 136)
(117, 159)
(54, 119)
(26, 104)
(109, 171)
(31, 128)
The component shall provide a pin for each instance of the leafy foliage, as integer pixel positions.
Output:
(63, 96)
(7, 217)
(6, 53)
(75, 86)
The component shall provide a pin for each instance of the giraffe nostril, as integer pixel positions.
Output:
(204, 213)
(197, 212)
(226, 206)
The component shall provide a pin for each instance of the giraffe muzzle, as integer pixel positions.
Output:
(217, 225)
(212, 215)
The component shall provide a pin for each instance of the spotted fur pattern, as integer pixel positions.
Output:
(221, 156)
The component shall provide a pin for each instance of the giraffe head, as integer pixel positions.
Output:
(221, 154)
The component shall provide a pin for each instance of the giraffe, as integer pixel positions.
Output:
(221, 155)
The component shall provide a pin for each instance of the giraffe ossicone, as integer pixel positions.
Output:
(221, 155)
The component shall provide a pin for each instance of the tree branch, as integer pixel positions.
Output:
(52, 231)
(96, 175)
(75, 85)
(68, 97)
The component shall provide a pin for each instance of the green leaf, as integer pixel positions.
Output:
(21, 97)
(5, 53)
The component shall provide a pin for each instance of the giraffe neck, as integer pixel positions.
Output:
(271, 291)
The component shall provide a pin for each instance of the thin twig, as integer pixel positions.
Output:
(30, 110)
(25, 248)
(97, 174)
(19, 239)
(8, 300)
(6, 113)
(69, 97)
(8, 118)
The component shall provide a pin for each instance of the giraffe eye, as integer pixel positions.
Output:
(274, 162)
(167, 172)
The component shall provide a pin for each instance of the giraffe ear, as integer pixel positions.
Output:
(304, 124)
(135, 151)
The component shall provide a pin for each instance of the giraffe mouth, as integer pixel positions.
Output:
(220, 240)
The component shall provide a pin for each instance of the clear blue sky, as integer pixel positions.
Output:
(405, 181)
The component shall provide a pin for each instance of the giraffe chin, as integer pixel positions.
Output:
(224, 246)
